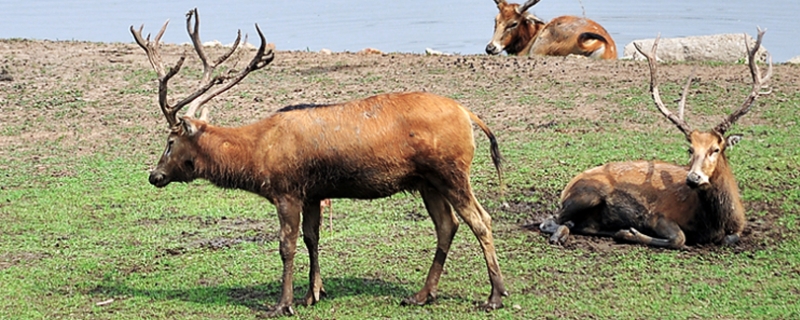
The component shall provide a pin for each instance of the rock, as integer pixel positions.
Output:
(325, 51)
(5, 76)
(718, 47)
(431, 52)
(795, 60)
(370, 51)
(212, 43)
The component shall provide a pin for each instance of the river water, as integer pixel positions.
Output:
(462, 26)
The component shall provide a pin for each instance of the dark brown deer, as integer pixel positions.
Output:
(302, 154)
(663, 204)
(518, 32)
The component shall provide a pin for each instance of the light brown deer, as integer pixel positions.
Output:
(302, 154)
(327, 203)
(518, 32)
(663, 204)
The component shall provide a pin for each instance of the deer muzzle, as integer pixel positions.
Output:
(158, 179)
(696, 180)
(492, 49)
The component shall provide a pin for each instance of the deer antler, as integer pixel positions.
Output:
(758, 83)
(260, 60)
(151, 49)
(530, 3)
(677, 120)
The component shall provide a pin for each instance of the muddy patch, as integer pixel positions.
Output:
(227, 233)
(760, 233)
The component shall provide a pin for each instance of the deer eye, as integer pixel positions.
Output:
(716, 150)
(169, 147)
(512, 25)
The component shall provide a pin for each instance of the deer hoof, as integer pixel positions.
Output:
(560, 236)
(489, 306)
(280, 311)
(627, 235)
(311, 298)
(414, 301)
(549, 226)
(730, 239)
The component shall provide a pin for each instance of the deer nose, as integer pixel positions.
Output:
(491, 49)
(157, 178)
(693, 179)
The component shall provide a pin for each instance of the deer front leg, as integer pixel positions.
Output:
(289, 216)
(671, 233)
(311, 224)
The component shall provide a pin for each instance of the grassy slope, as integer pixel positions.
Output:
(79, 228)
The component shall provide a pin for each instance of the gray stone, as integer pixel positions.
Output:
(5, 76)
(718, 47)
(795, 60)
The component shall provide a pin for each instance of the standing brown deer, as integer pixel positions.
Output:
(518, 32)
(663, 204)
(302, 154)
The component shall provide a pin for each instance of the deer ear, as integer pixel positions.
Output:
(732, 140)
(533, 19)
(189, 128)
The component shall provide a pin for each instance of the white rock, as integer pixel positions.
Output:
(432, 52)
(212, 43)
(718, 47)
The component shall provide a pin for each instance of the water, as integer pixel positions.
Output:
(462, 26)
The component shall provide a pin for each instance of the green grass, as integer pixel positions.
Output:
(102, 232)
(83, 227)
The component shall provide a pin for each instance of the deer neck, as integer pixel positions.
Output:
(225, 158)
(721, 202)
(528, 31)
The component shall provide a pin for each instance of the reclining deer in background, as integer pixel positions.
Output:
(658, 203)
(519, 32)
(302, 154)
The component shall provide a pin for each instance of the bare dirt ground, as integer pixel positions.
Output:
(90, 97)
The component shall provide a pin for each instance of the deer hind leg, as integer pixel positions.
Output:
(480, 222)
(289, 215)
(311, 224)
(578, 213)
(668, 234)
(446, 226)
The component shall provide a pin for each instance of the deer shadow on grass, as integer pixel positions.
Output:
(259, 297)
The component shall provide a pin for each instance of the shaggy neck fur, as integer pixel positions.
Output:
(526, 34)
(722, 206)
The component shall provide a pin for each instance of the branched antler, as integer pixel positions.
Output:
(759, 82)
(677, 120)
(151, 49)
(202, 95)
(525, 6)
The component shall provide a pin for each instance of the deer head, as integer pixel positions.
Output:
(509, 27)
(178, 160)
(707, 148)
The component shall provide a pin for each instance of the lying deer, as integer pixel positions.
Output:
(518, 32)
(302, 154)
(326, 203)
(663, 204)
